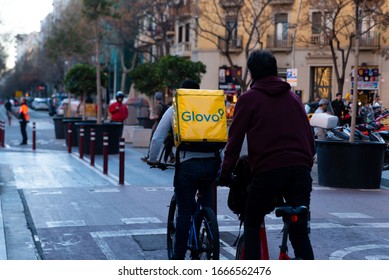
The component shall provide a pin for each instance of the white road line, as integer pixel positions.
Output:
(72, 223)
(225, 218)
(104, 247)
(109, 253)
(340, 254)
(46, 192)
(351, 215)
(228, 248)
(154, 189)
(141, 220)
(99, 237)
(106, 190)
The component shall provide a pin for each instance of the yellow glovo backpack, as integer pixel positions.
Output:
(199, 120)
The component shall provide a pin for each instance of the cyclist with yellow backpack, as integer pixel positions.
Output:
(197, 163)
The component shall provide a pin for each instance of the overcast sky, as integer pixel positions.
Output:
(22, 17)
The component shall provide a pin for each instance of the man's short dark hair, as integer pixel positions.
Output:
(262, 64)
(338, 94)
(191, 84)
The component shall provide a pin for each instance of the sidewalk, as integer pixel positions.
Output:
(22, 168)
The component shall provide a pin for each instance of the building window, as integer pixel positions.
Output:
(321, 82)
(187, 32)
(316, 23)
(281, 30)
(232, 28)
(321, 23)
(180, 34)
(367, 29)
(184, 33)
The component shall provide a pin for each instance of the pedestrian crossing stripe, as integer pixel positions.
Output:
(141, 220)
(351, 215)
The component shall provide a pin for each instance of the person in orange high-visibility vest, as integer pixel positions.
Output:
(24, 117)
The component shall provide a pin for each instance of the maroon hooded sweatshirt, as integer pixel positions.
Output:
(277, 128)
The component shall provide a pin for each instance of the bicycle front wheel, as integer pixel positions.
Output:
(208, 236)
(171, 227)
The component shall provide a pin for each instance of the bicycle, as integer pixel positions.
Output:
(289, 215)
(203, 241)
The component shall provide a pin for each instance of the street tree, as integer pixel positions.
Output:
(168, 72)
(97, 11)
(81, 81)
(68, 41)
(121, 39)
(3, 53)
(334, 23)
(233, 26)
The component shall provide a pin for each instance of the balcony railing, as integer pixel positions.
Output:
(277, 44)
(281, 2)
(234, 44)
(231, 3)
(369, 41)
(183, 49)
(144, 40)
(320, 39)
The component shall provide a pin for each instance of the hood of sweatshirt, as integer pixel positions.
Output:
(271, 85)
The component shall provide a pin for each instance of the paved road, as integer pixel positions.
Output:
(56, 206)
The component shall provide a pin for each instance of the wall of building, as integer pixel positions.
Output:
(304, 58)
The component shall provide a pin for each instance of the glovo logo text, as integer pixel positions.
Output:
(188, 116)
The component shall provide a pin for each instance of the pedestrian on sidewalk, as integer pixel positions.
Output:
(24, 118)
(156, 115)
(339, 108)
(118, 110)
(8, 108)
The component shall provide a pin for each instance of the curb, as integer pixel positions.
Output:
(3, 248)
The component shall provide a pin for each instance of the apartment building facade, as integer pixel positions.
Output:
(221, 34)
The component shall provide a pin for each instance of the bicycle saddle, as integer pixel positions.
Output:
(284, 211)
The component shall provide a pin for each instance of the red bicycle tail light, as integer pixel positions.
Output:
(294, 218)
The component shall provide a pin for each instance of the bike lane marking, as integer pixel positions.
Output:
(353, 215)
(340, 254)
(100, 236)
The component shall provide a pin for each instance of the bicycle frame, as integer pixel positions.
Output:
(193, 240)
(263, 242)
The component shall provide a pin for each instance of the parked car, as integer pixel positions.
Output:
(55, 102)
(63, 105)
(40, 104)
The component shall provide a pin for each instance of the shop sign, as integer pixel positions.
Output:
(291, 76)
(368, 78)
(228, 79)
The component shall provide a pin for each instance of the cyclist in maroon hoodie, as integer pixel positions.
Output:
(280, 150)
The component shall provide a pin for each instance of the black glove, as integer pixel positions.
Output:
(223, 178)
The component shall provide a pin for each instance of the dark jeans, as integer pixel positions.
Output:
(294, 184)
(186, 183)
(23, 130)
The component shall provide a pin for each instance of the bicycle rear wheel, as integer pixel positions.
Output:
(208, 236)
(171, 227)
